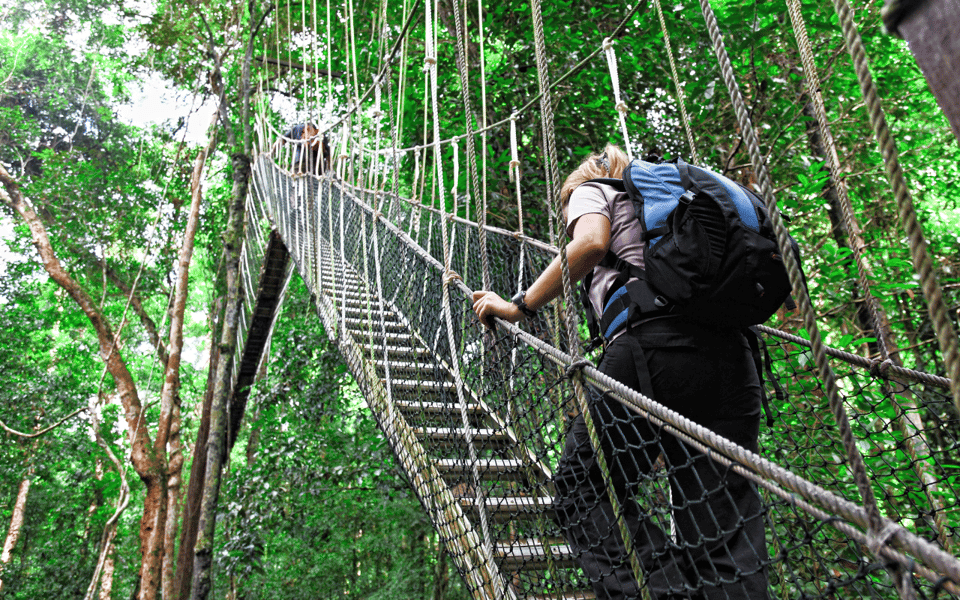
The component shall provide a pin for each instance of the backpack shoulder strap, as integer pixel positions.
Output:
(614, 183)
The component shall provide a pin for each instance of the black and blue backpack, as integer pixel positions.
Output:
(711, 254)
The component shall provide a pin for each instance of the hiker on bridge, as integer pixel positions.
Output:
(311, 152)
(716, 548)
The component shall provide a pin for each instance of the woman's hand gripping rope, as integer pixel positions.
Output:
(489, 304)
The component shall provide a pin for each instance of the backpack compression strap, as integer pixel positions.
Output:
(629, 298)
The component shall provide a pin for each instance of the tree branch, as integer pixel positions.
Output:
(42, 431)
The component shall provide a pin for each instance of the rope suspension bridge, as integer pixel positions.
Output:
(477, 419)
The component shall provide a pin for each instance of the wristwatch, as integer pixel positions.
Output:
(522, 305)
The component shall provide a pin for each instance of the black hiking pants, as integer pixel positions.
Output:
(706, 541)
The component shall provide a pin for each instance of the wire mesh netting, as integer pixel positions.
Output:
(479, 421)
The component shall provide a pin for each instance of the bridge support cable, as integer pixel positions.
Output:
(946, 334)
(908, 419)
(900, 573)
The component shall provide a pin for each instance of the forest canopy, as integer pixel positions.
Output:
(121, 233)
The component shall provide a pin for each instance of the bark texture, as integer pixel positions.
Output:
(16, 522)
(168, 429)
(216, 445)
(149, 465)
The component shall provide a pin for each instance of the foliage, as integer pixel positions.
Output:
(317, 507)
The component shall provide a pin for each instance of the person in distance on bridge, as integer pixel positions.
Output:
(716, 548)
(312, 152)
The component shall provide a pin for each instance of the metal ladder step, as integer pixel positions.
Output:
(390, 326)
(508, 509)
(424, 386)
(401, 366)
(530, 554)
(342, 279)
(483, 438)
(489, 469)
(400, 351)
(437, 408)
(361, 312)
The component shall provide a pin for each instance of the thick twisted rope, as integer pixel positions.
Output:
(914, 438)
(676, 85)
(619, 104)
(854, 458)
(908, 214)
(471, 143)
(553, 192)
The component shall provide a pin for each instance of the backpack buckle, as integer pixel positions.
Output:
(688, 197)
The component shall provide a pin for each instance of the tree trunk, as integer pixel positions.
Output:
(216, 446)
(106, 578)
(16, 522)
(148, 463)
(191, 512)
(168, 428)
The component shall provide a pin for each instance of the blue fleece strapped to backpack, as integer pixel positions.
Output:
(710, 255)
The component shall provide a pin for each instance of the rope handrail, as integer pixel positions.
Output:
(896, 544)
(472, 404)
(866, 363)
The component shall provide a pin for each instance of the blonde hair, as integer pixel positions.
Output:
(611, 163)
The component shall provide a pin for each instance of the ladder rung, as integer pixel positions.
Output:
(506, 509)
(489, 469)
(361, 311)
(347, 280)
(401, 366)
(481, 437)
(413, 406)
(401, 350)
(358, 323)
(339, 292)
(424, 386)
(529, 554)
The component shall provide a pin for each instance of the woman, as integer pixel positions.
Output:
(717, 548)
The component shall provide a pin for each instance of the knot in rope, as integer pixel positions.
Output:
(451, 275)
(514, 163)
(622, 106)
(876, 540)
(607, 44)
(430, 60)
(879, 368)
(576, 366)
(517, 235)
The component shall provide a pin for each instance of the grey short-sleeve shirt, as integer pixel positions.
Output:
(625, 231)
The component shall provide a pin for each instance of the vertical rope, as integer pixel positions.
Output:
(908, 214)
(914, 437)
(854, 457)
(619, 104)
(482, 200)
(329, 59)
(471, 144)
(676, 85)
(305, 81)
(553, 179)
